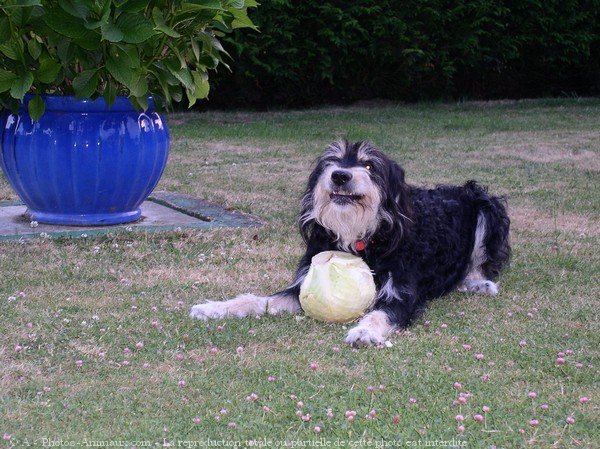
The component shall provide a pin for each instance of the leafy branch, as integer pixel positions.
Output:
(92, 48)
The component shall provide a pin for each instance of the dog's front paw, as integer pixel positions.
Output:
(360, 336)
(209, 311)
(372, 329)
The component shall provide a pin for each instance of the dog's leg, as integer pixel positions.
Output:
(475, 282)
(248, 304)
(394, 307)
(239, 307)
(288, 299)
(284, 302)
(372, 329)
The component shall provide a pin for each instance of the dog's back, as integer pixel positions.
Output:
(457, 231)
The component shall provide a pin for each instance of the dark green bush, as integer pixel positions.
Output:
(312, 51)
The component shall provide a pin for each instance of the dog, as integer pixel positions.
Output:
(419, 243)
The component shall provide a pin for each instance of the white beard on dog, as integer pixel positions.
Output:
(350, 222)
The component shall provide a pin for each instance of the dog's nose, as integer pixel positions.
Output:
(341, 177)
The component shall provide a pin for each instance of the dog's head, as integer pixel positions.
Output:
(354, 192)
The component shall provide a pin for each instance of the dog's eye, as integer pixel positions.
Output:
(368, 166)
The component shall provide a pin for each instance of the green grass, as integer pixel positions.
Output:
(89, 299)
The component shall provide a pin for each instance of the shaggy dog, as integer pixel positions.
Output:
(419, 243)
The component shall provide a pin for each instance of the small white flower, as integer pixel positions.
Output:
(34, 224)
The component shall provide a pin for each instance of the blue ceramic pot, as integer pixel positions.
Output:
(83, 163)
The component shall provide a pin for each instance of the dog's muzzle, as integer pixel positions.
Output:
(341, 190)
(341, 177)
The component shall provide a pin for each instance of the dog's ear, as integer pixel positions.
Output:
(307, 218)
(397, 210)
(399, 189)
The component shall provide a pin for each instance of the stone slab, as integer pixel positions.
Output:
(164, 211)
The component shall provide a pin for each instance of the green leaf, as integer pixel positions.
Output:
(21, 85)
(24, 3)
(21, 15)
(48, 70)
(4, 29)
(202, 86)
(142, 102)
(65, 50)
(241, 19)
(85, 83)
(36, 108)
(111, 32)
(132, 52)
(208, 4)
(208, 61)
(210, 42)
(161, 24)
(165, 89)
(238, 4)
(77, 8)
(10, 50)
(6, 80)
(118, 63)
(104, 16)
(34, 48)
(65, 24)
(72, 27)
(110, 93)
(133, 5)
(176, 93)
(183, 75)
(164, 75)
(191, 98)
(195, 48)
(89, 42)
(251, 3)
(138, 86)
(135, 28)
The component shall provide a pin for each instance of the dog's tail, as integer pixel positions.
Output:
(497, 226)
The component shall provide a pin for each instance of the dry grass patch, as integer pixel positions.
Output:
(528, 218)
(6, 193)
(173, 273)
(571, 149)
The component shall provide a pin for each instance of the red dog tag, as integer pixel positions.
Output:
(360, 245)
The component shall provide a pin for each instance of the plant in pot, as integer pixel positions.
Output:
(82, 84)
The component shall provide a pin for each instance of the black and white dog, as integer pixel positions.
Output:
(419, 243)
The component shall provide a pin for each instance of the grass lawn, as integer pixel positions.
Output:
(96, 346)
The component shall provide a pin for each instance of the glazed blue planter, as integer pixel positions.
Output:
(83, 163)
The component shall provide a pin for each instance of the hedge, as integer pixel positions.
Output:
(310, 52)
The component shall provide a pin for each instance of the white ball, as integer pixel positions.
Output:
(338, 287)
